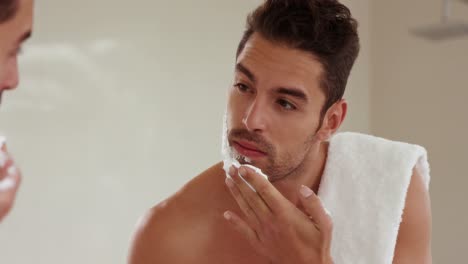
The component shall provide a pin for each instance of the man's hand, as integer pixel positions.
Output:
(276, 228)
(10, 178)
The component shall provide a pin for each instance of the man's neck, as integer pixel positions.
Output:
(310, 175)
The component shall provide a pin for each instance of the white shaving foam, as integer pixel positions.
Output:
(229, 156)
(6, 184)
(257, 170)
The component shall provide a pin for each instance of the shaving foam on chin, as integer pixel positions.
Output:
(229, 159)
(257, 170)
(8, 182)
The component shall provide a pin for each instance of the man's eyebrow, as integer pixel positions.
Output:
(247, 72)
(295, 92)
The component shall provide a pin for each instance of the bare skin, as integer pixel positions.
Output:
(189, 227)
(12, 35)
(291, 143)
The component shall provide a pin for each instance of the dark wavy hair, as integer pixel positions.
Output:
(325, 28)
(8, 9)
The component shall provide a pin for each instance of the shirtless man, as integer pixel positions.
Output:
(285, 103)
(15, 28)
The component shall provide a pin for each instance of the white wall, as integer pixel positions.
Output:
(419, 90)
(357, 91)
(120, 104)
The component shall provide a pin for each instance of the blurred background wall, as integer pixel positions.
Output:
(419, 93)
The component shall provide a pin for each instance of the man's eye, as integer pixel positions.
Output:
(242, 87)
(286, 105)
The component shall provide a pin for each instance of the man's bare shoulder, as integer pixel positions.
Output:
(414, 237)
(164, 232)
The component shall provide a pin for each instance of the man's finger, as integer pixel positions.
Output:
(314, 208)
(5, 163)
(253, 198)
(273, 199)
(242, 227)
(4, 157)
(243, 205)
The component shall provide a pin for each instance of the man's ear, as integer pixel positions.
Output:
(332, 120)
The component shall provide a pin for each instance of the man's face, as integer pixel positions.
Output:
(274, 107)
(12, 34)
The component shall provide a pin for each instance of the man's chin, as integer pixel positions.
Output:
(258, 163)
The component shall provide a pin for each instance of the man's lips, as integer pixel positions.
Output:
(247, 149)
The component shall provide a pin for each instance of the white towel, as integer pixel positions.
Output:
(364, 187)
